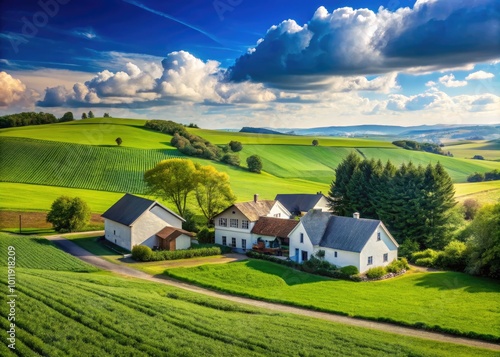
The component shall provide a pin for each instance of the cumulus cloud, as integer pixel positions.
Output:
(350, 42)
(13, 92)
(450, 81)
(479, 75)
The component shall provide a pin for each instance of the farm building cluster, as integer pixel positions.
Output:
(294, 226)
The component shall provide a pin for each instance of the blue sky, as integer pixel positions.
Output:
(230, 63)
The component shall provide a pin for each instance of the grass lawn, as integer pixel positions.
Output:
(448, 300)
(105, 250)
(490, 150)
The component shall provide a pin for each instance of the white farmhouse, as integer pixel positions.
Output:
(364, 243)
(233, 227)
(138, 221)
(299, 204)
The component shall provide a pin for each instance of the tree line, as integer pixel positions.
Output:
(413, 202)
(487, 176)
(416, 146)
(26, 118)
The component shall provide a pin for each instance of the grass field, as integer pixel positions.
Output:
(68, 313)
(447, 300)
(39, 253)
(490, 150)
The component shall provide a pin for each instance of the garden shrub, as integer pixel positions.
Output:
(425, 262)
(142, 253)
(453, 256)
(428, 253)
(396, 266)
(376, 272)
(206, 235)
(349, 270)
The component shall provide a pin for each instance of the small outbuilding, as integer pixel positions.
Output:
(135, 220)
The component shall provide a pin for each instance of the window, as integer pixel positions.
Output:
(386, 257)
(296, 255)
(224, 240)
(370, 260)
(378, 235)
(301, 237)
(114, 233)
(233, 242)
(223, 222)
(233, 223)
(304, 256)
(277, 215)
(335, 254)
(244, 243)
(244, 224)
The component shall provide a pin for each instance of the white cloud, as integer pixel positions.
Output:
(479, 75)
(430, 84)
(13, 92)
(450, 81)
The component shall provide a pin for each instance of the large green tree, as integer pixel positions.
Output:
(172, 180)
(484, 245)
(254, 163)
(339, 199)
(68, 214)
(213, 191)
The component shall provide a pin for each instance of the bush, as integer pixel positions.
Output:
(408, 247)
(231, 159)
(349, 270)
(428, 253)
(396, 266)
(453, 256)
(68, 214)
(235, 146)
(254, 163)
(142, 253)
(206, 236)
(425, 262)
(376, 273)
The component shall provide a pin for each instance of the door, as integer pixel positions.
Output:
(297, 255)
(304, 256)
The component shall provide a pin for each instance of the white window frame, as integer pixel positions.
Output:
(370, 260)
(301, 237)
(386, 257)
(233, 222)
(245, 224)
(244, 244)
(223, 222)
(378, 236)
(335, 254)
(233, 242)
(224, 240)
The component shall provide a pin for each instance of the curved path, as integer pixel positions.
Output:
(90, 258)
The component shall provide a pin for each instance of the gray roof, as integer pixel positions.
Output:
(315, 223)
(346, 233)
(129, 208)
(296, 203)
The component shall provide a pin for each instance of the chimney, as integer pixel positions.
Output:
(255, 197)
(356, 215)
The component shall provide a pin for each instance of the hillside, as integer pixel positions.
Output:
(83, 157)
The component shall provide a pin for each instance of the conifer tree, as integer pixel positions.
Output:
(338, 194)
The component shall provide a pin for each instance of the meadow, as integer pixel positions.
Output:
(64, 313)
(490, 150)
(445, 301)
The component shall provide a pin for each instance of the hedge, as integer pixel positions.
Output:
(145, 254)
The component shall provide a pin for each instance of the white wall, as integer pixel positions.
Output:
(234, 233)
(182, 242)
(145, 228)
(295, 243)
(117, 233)
(280, 210)
(376, 249)
(166, 216)
(323, 205)
(343, 258)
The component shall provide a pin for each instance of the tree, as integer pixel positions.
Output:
(254, 163)
(338, 195)
(118, 141)
(235, 146)
(68, 116)
(471, 206)
(68, 214)
(484, 245)
(315, 142)
(84, 115)
(231, 159)
(106, 115)
(172, 180)
(91, 115)
(213, 192)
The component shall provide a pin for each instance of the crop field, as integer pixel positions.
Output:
(96, 314)
(71, 165)
(448, 301)
(39, 253)
(490, 150)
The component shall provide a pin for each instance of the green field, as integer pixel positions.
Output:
(490, 150)
(62, 313)
(443, 300)
(39, 253)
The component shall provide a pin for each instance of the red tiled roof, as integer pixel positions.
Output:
(170, 233)
(274, 227)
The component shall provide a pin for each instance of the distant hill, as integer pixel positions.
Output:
(247, 129)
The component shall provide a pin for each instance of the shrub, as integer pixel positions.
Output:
(206, 236)
(254, 163)
(349, 270)
(428, 253)
(396, 266)
(453, 256)
(408, 247)
(376, 272)
(194, 251)
(142, 253)
(235, 146)
(231, 159)
(425, 262)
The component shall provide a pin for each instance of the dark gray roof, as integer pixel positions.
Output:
(346, 233)
(130, 207)
(296, 203)
(315, 223)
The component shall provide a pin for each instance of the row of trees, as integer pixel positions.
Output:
(427, 147)
(487, 176)
(176, 179)
(413, 202)
(26, 118)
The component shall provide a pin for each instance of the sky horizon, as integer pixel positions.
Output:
(234, 63)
